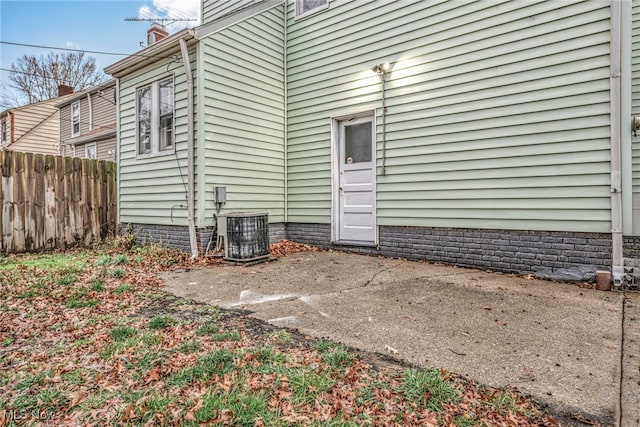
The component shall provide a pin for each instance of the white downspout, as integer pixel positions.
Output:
(616, 178)
(90, 111)
(190, 150)
(118, 151)
(626, 159)
(286, 122)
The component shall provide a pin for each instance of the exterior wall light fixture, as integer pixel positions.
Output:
(381, 68)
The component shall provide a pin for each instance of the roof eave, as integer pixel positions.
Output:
(77, 95)
(90, 138)
(150, 54)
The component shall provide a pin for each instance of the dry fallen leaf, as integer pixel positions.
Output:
(390, 349)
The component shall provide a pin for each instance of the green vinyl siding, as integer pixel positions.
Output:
(498, 111)
(216, 9)
(153, 190)
(635, 110)
(243, 115)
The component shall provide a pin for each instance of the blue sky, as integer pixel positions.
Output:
(96, 25)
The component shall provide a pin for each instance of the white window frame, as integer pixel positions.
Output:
(75, 120)
(4, 132)
(155, 148)
(86, 151)
(299, 9)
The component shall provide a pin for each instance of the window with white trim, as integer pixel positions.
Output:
(90, 151)
(154, 117)
(75, 119)
(307, 7)
(5, 139)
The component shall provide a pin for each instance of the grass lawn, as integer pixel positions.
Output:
(89, 338)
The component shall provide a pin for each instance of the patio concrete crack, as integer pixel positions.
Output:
(368, 282)
(622, 361)
(364, 285)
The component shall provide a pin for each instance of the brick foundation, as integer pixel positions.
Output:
(548, 254)
(176, 236)
(631, 247)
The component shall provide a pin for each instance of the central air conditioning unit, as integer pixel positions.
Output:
(247, 235)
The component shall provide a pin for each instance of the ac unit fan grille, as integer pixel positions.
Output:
(247, 237)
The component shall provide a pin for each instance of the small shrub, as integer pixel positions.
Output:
(125, 241)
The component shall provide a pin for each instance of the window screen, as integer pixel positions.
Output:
(357, 144)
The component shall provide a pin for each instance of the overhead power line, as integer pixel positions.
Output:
(36, 75)
(87, 51)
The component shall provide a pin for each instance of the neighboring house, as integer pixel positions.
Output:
(88, 123)
(33, 128)
(498, 136)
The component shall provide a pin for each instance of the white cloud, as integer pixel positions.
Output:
(144, 11)
(178, 9)
(72, 45)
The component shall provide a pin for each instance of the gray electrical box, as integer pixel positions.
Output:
(220, 194)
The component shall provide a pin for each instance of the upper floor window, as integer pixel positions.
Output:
(5, 139)
(154, 117)
(75, 119)
(307, 7)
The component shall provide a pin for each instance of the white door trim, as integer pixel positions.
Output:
(335, 172)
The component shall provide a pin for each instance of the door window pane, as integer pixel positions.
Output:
(357, 144)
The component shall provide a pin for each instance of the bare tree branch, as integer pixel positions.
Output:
(37, 78)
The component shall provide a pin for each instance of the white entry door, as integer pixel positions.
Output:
(356, 181)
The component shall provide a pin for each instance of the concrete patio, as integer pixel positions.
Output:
(560, 343)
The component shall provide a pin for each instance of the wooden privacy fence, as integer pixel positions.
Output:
(54, 202)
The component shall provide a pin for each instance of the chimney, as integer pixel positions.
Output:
(155, 34)
(64, 90)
